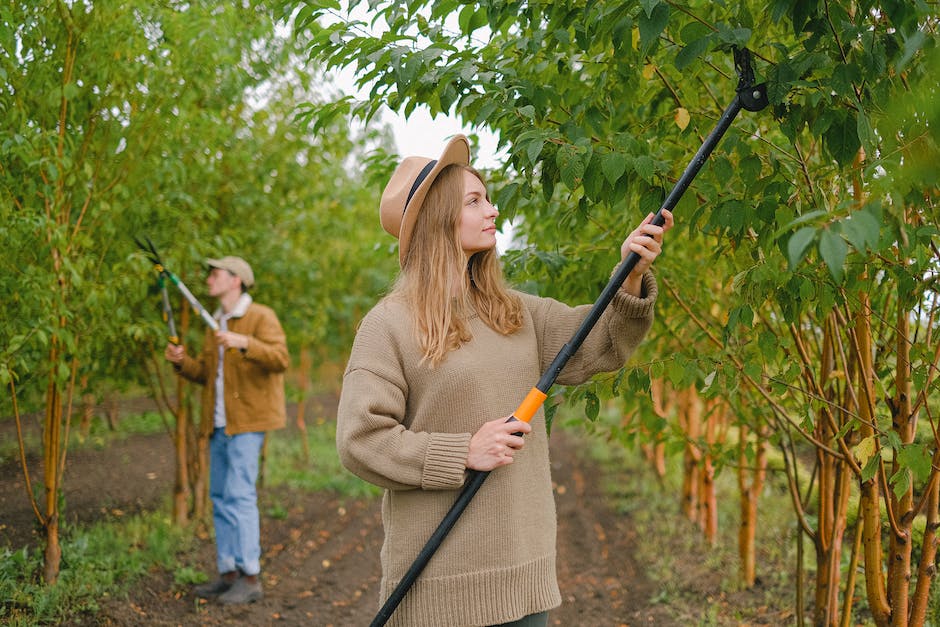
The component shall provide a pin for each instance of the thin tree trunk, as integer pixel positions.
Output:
(51, 445)
(303, 383)
(927, 568)
(181, 492)
(751, 477)
(833, 494)
(690, 420)
(870, 491)
(87, 408)
(714, 421)
(849, 600)
(900, 545)
(111, 410)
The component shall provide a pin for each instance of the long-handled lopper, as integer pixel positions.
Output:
(750, 97)
(164, 274)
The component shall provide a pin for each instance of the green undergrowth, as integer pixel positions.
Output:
(691, 574)
(98, 561)
(289, 465)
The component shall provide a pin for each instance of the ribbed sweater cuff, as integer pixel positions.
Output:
(445, 461)
(630, 306)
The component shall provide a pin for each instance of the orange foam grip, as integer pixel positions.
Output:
(530, 405)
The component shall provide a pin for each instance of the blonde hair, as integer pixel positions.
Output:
(436, 270)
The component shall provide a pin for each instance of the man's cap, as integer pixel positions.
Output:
(405, 192)
(237, 266)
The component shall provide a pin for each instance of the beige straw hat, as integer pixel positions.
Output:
(405, 192)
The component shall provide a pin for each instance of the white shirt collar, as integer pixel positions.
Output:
(241, 306)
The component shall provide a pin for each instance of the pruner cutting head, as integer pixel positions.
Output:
(151, 252)
(752, 97)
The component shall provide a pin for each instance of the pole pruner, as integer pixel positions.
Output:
(750, 97)
(165, 275)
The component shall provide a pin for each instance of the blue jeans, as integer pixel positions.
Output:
(233, 471)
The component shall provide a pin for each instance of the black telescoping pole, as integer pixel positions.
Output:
(749, 96)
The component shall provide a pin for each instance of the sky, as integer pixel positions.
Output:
(419, 135)
(423, 136)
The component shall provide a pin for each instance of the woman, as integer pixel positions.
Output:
(436, 369)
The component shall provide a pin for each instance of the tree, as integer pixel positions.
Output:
(168, 120)
(822, 213)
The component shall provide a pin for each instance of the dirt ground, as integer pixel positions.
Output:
(320, 563)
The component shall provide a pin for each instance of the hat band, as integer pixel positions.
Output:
(423, 174)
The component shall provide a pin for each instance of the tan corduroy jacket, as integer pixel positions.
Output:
(406, 427)
(253, 378)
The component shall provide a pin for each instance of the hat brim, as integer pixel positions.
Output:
(457, 151)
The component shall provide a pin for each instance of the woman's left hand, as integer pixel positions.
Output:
(646, 240)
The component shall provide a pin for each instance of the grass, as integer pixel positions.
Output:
(690, 571)
(288, 465)
(697, 581)
(98, 561)
(99, 434)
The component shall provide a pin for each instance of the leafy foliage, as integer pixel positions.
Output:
(807, 218)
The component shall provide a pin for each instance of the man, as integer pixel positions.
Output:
(241, 368)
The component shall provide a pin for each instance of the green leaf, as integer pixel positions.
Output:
(871, 468)
(614, 165)
(806, 217)
(754, 370)
(570, 165)
(530, 144)
(689, 53)
(649, 6)
(862, 230)
(866, 134)
(916, 458)
(798, 244)
(900, 482)
(592, 405)
(733, 36)
(842, 138)
(651, 25)
(645, 167)
(465, 18)
(833, 250)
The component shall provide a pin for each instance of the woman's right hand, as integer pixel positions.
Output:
(494, 444)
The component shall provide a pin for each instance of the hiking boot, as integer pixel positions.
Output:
(242, 591)
(215, 588)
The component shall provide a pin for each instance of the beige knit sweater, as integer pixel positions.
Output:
(406, 427)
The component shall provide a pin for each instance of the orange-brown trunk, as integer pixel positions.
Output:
(690, 420)
(870, 491)
(52, 444)
(751, 476)
(303, 383)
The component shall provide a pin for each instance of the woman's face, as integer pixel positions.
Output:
(477, 217)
